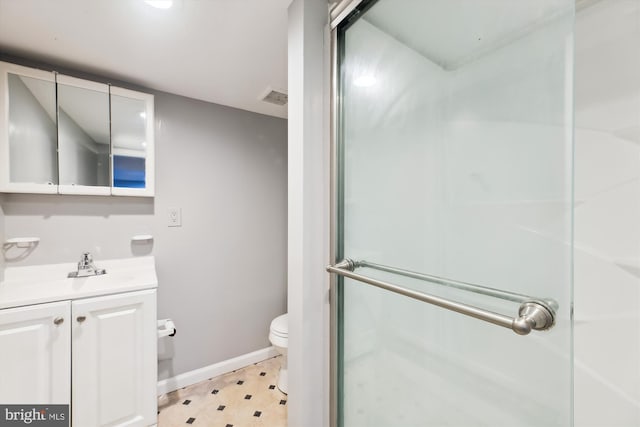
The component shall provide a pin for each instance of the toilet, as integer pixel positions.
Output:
(279, 337)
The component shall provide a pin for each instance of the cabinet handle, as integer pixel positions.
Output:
(81, 319)
(58, 320)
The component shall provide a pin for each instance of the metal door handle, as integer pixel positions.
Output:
(533, 315)
(81, 319)
(58, 320)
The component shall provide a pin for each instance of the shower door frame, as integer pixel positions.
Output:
(342, 10)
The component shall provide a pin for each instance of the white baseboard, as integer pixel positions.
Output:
(197, 375)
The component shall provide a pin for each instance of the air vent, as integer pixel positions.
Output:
(275, 97)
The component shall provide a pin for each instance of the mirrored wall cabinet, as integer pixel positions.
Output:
(61, 134)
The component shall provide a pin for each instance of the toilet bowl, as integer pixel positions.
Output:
(279, 337)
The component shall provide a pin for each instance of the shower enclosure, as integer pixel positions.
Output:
(452, 274)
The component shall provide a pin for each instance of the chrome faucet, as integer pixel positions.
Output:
(86, 267)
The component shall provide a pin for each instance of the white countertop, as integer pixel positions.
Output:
(47, 283)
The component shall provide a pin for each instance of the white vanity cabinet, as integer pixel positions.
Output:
(89, 342)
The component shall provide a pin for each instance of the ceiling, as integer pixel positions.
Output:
(222, 51)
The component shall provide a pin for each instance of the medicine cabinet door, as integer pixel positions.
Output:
(83, 136)
(132, 143)
(28, 137)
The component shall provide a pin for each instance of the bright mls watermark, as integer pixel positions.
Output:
(34, 415)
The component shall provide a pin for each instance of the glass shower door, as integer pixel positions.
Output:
(454, 207)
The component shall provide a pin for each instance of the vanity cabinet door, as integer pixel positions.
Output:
(28, 133)
(35, 359)
(132, 143)
(84, 136)
(115, 360)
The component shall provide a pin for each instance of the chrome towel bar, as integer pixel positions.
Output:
(471, 287)
(533, 314)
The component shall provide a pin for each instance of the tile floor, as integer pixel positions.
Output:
(247, 397)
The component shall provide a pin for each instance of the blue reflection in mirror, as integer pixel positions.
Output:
(128, 172)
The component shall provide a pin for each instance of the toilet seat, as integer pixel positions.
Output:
(279, 331)
(280, 326)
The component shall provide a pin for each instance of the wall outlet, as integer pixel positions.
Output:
(174, 217)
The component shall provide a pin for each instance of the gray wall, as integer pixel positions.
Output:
(222, 275)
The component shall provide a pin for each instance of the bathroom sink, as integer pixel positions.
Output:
(47, 283)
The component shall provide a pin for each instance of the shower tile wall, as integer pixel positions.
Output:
(607, 215)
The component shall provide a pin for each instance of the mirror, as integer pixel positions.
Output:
(131, 139)
(83, 136)
(32, 130)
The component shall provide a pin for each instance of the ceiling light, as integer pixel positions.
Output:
(365, 80)
(143, 115)
(160, 4)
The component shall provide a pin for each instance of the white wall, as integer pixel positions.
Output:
(308, 228)
(222, 275)
(607, 215)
